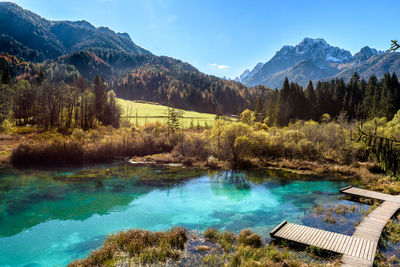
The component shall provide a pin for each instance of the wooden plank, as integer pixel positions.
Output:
(306, 235)
(300, 234)
(295, 232)
(283, 231)
(328, 239)
(276, 229)
(355, 247)
(324, 239)
(373, 250)
(360, 247)
(332, 243)
(338, 242)
(345, 188)
(342, 244)
(366, 249)
(312, 236)
(314, 239)
(350, 245)
(321, 238)
(286, 230)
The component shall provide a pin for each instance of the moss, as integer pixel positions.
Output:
(247, 238)
(212, 260)
(227, 240)
(98, 257)
(212, 235)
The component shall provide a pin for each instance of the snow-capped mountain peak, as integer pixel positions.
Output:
(312, 59)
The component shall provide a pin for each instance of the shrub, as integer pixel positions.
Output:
(194, 145)
(212, 235)
(96, 258)
(248, 238)
(242, 146)
(97, 145)
(5, 126)
(247, 116)
(223, 136)
(227, 241)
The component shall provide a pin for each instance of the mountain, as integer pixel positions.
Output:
(31, 37)
(112, 64)
(365, 53)
(247, 74)
(377, 65)
(33, 48)
(315, 59)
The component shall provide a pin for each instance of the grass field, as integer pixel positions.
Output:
(142, 112)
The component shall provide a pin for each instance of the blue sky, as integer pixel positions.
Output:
(224, 37)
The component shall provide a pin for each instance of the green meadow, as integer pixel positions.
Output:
(142, 112)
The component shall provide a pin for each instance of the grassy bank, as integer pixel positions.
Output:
(177, 247)
(224, 145)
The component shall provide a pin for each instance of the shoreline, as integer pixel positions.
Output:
(360, 171)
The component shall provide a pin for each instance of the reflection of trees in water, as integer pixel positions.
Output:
(231, 177)
(230, 183)
(28, 198)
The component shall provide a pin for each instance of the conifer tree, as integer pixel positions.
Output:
(259, 110)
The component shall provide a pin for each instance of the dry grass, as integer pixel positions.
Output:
(143, 247)
(7, 144)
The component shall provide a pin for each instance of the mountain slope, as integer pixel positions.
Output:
(376, 65)
(64, 50)
(112, 64)
(31, 37)
(301, 73)
(314, 59)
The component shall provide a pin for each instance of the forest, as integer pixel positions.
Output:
(57, 96)
(356, 100)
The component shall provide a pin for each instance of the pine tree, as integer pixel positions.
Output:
(173, 120)
(284, 107)
(259, 110)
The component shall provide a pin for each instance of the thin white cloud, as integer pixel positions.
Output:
(171, 18)
(153, 25)
(221, 67)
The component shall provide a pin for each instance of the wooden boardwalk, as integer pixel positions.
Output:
(358, 249)
(357, 192)
(339, 243)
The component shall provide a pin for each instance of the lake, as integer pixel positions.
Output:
(51, 217)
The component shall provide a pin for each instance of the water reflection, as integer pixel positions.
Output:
(230, 184)
(30, 197)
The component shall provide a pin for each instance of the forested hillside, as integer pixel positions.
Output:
(31, 37)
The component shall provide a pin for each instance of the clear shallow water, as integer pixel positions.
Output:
(49, 218)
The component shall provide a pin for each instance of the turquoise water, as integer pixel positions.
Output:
(49, 218)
